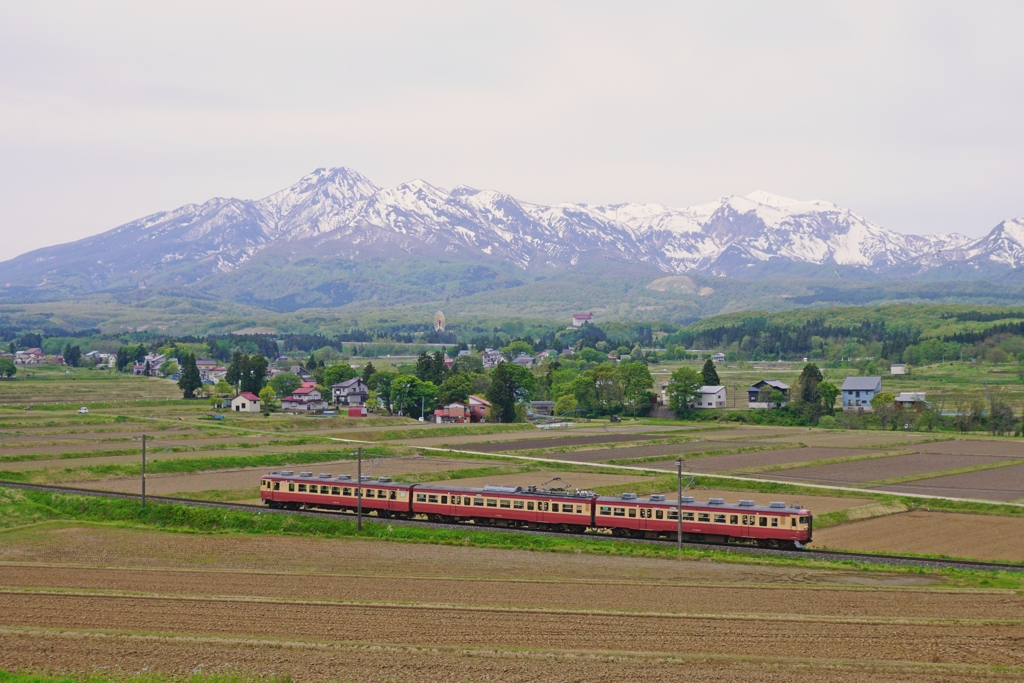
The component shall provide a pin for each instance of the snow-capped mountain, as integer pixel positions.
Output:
(340, 214)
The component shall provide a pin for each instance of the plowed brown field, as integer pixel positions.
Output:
(81, 598)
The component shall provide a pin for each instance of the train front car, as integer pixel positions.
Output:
(773, 526)
(564, 510)
(287, 491)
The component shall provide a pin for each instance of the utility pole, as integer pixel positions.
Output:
(143, 471)
(359, 489)
(679, 505)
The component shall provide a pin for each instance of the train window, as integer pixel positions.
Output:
(444, 500)
(803, 520)
(734, 519)
(277, 486)
(506, 503)
(421, 498)
(381, 493)
(529, 505)
(391, 495)
(763, 521)
(579, 509)
(719, 519)
(554, 507)
(643, 512)
(325, 489)
(620, 512)
(346, 491)
(673, 514)
(492, 502)
(660, 514)
(542, 506)
(335, 490)
(604, 510)
(431, 498)
(518, 504)
(479, 502)
(775, 521)
(792, 521)
(456, 500)
(703, 517)
(302, 488)
(687, 516)
(401, 494)
(632, 512)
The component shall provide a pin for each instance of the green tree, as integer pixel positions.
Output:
(456, 388)
(431, 367)
(72, 355)
(565, 405)
(285, 383)
(238, 368)
(884, 406)
(7, 368)
(409, 395)
(827, 394)
(516, 349)
(808, 383)
(682, 389)
(510, 384)
(469, 364)
(636, 387)
(257, 374)
(710, 374)
(584, 389)
(169, 367)
(268, 399)
(335, 374)
(381, 382)
(591, 356)
(222, 388)
(190, 380)
(368, 371)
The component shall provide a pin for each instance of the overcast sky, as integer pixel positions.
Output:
(908, 113)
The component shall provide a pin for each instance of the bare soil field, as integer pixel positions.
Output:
(986, 537)
(166, 484)
(579, 480)
(652, 432)
(624, 453)
(1003, 483)
(1014, 449)
(884, 468)
(125, 654)
(556, 442)
(858, 439)
(736, 461)
(816, 504)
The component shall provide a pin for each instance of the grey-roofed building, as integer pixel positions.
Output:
(754, 394)
(858, 392)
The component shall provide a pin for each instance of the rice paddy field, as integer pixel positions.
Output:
(93, 587)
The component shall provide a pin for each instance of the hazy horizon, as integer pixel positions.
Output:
(907, 114)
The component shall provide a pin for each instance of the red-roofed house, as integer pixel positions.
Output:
(578, 319)
(246, 402)
(453, 412)
(304, 399)
(478, 408)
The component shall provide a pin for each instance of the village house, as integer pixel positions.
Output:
(491, 358)
(246, 402)
(457, 413)
(351, 392)
(524, 361)
(911, 400)
(543, 408)
(478, 407)
(858, 392)
(718, 358)
(710, 397)
(899, 369)
(580, 319)
(545, 354)
(754, 393)
(33, 356)
(304, 399)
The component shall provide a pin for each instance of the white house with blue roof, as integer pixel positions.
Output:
(858, 392)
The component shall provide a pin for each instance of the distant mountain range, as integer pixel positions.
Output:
(329, 231)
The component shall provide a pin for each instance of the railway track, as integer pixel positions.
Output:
(828, 555)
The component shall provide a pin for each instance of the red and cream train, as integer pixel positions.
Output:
(572, 511)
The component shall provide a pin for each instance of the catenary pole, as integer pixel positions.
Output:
(359, 489)
(679, 504)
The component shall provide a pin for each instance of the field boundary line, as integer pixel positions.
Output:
(824, 487)
(945, 473)
(496, 609)
(786, 466)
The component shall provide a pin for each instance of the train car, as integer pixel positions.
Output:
(286, 490)
(508, 506)
(774, 526)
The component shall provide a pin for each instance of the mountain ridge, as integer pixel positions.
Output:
(336, 216)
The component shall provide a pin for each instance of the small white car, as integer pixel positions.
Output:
(83, 410)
